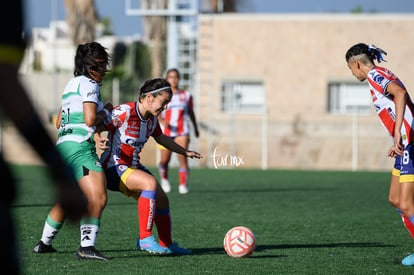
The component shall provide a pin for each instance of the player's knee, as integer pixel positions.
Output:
(150, 184)
(394, 201)
(98, 202)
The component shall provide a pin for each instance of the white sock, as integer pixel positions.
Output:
(50, 230)
(88, 234)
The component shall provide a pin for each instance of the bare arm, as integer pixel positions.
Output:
(91, 117)
(174, 147)
(59, 118)
(400, 98)
(194, 121)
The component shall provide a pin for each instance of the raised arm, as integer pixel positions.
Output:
(174, 147)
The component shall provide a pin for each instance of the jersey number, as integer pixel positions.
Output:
(65, 117)
(406, 157)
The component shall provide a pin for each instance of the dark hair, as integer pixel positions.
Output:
(152, 85)
(173, 70)
(91, 56)
(369, 51)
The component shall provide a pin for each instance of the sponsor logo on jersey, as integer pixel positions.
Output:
(92, 93)
(378, 78)
(391, 112)
(132, 142)
(132, 133)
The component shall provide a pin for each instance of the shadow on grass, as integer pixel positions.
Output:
(132, 253)
(327, 245)
(264, 190)
(262, 248)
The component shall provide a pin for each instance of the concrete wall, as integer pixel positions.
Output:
(296, 56)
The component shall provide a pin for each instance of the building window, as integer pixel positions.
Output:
(242, 96)
(349, 98)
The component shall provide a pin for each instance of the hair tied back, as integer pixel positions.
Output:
(377, 53)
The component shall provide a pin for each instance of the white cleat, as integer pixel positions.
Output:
(165, 185)
(182, 189)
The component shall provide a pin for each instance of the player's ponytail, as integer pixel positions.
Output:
(154, 87)
(376, 53)
(365, 53)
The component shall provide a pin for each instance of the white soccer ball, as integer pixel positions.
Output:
(239, 242)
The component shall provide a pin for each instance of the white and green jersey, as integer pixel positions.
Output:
(79, 90)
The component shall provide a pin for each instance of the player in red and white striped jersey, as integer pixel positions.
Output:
(175, 121)
(395, 110)
(129, 128)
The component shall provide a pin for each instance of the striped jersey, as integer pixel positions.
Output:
(78, 90)
(177, 114)
(379, 78)
(127, 133)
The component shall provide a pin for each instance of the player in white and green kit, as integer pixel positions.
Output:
(82, 109)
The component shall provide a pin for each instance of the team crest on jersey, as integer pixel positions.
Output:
(122, 168)
(119, 120)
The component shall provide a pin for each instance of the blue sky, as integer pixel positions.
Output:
(39, 12)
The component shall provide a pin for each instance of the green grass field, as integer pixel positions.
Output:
(305, 223)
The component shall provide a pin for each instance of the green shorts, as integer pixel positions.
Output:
(81, 157)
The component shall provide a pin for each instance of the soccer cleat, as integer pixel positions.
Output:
(43, 248)
(182, 189)
(165, 185)
(408, 261)
(150, 245)
(175, 249)
(90, 253)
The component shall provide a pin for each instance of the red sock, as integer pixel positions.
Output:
(408, 225)
(163, 222)
(146, 212)
(183, 176)
(163, 171)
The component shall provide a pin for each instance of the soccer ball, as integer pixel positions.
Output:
(239, 242)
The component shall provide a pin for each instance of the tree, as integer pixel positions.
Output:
(225, 5)
(81, 18)
(155, 32)
(155, 28)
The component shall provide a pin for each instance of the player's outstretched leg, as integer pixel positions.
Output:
(163, 224)
(146, 212)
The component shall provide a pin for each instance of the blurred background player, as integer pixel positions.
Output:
(82, 109)
(175, 124)
(395, 110)
(16, 105)
(130, 127)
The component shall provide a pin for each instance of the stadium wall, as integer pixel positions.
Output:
(295, 57)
